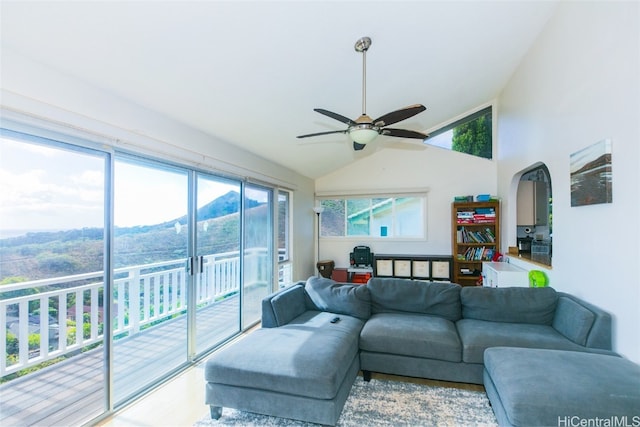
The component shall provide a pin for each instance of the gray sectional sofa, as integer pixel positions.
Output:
(317, 335)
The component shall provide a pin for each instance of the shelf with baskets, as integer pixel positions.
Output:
(475, 238)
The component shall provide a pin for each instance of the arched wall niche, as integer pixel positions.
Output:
(534, 213)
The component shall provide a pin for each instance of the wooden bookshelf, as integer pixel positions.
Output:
(475, 237)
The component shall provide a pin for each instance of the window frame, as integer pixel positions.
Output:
(464, 119)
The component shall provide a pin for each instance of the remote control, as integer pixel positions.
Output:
(335, 320)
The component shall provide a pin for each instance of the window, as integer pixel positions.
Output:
(384, 217)
(471, 135)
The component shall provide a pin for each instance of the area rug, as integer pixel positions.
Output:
(387, 403)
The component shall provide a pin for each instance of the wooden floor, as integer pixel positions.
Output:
(72, 392)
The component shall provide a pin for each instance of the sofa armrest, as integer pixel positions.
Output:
(583, 323)
(282, 306)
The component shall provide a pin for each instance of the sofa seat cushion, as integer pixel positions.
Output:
(416, 335)
(308, 357)
(535, 387)
(478, 335)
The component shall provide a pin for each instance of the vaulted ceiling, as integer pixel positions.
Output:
(251, 73)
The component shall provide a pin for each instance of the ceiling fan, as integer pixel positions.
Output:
(364, 129)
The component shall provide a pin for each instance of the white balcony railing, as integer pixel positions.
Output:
(63, 315)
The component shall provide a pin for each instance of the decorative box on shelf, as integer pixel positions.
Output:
(418, 267)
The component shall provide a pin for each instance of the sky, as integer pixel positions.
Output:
(46, 188)
(43, 188)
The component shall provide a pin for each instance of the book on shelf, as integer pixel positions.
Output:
(476, 216)
(486, 211)
(479, 253)
(475, 236)
(490, 234)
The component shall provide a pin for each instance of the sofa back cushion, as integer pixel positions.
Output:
(573, 320)
(288, 304)
(342, 298)
(514, 305)
(389, 295)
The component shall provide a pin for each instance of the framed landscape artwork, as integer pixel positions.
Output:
(591, 174)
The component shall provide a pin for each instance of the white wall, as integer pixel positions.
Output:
(445, 174)
(32, 89)
(579, 84)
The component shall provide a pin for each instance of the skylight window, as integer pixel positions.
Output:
(470, 135)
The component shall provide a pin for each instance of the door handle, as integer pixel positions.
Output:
(190, 265)
(195, 265)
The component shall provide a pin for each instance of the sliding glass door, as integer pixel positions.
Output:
(52, 281)
(218, 262)
(150, 287)
(258, 251)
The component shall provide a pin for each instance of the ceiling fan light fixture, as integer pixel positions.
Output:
(363, 134)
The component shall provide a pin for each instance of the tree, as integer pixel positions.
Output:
(333, 218)
(474, 137)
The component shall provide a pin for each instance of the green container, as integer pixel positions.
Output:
(538, 279)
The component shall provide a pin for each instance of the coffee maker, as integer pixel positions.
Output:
(524, 243)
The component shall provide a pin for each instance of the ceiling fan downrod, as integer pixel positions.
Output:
(362, 45)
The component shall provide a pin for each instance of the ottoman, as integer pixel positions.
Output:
(303, 370)
(539, 387)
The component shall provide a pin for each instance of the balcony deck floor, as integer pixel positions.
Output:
(72, 392)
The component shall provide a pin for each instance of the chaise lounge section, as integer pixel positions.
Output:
(300, 365)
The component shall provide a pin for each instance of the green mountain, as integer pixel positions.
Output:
(39, 255)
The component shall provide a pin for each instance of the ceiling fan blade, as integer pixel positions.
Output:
(338, 117)
(358, 147)
(403, 133)
(399, 115)
(321, 133)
